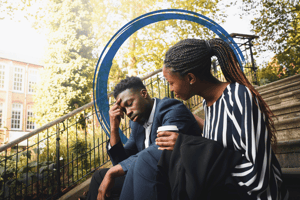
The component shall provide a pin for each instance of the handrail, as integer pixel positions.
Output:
(57, 121)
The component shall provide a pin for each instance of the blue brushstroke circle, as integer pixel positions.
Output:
(104, 63)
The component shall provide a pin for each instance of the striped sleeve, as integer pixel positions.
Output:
(250, 136)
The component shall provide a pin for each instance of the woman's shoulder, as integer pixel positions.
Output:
(234, 92)
(237, 89)
(238, 94)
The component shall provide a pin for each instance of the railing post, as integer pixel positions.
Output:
(57, 160)
(37, 166)
(5, 161)
(151, 82)
(253, 64)
(158, 86)
(16, 188)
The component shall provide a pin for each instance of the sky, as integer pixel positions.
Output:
(19, 41)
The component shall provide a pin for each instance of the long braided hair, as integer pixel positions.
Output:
(194, 56)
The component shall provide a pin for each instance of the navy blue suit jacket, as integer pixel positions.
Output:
(167, 112)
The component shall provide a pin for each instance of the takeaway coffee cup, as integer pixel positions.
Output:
(168, 128)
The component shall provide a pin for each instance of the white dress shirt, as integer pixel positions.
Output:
(148, 125)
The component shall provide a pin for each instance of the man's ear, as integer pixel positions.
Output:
(144, 93)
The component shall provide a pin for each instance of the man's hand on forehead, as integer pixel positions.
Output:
(118, 102)
(116, 111)
(117, 105)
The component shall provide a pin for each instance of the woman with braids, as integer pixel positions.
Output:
(236, 116)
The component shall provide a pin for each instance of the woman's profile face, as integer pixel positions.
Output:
(179, 85)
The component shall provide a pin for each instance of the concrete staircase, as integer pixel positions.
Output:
(283, 98)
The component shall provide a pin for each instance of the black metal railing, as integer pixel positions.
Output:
(65, 152)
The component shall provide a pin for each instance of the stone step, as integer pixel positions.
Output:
(287, 153)
(78, 190)
(287, 116)
(279, 83)
(291, 122)
(288, 129)
(283, 98)
(281, 90)
(287, 108)
(288, 134)
(287, 123)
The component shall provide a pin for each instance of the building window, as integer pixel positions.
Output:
(2, 76)
(30, 119)
(1, 115)
(16, 116)
(18, 79)
(32, 80)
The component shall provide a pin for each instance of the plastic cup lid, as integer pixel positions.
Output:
(167, 128)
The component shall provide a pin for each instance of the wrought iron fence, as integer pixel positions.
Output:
(65, 152)
(56, 157)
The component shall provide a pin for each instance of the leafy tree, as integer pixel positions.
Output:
(145, 49)
(273, 72)
(278, 25)
(69, 65)
(78, 29)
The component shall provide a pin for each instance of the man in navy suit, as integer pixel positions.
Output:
(140, 154)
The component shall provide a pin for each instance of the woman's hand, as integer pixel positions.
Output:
(166, 140)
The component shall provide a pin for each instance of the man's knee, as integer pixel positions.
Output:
(151, 155)
(146, 164)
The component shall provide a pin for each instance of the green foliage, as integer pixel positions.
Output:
(144, 51)
(278, 25)
(67, 78)
(273, 72)
(77, 29)
(116, 74)
(81, 151)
